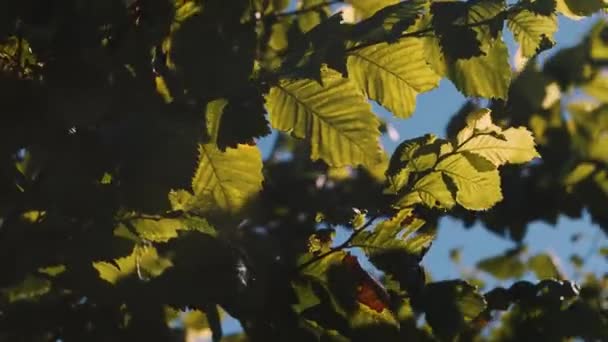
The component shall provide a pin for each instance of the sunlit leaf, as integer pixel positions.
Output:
(504, 266)
(30, 288)
(393, 74)
(53, 271)
(544, 266)
(334, 116)
(163, 89)
(308, 20)
(515, 146)
(226, 180)
(367, 8)
(432, 190)
(487, 76)
(475, 190)
(144, 262)
(598, 87)
(530, 29)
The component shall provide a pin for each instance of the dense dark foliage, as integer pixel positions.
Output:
(135, 204)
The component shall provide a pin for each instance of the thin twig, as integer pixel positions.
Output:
(343, 245)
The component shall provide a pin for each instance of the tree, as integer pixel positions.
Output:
(135, 204)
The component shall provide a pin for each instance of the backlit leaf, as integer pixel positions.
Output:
(144, 262)
(432, 191)
(366, 8)
(515, 146)
(226, 180)
(30, 288)
(308, 20)
(486, 76)
(475, 190)
(504, 266)
(393, 74)
(334, 116)
(530, 28)
(544, 266)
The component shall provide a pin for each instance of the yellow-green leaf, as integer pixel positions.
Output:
(213, 117)
(515, 146)
(226, 180)
(432, 190)
(309, 19)
(598, 87)
(30, 288)
(545, 266)
(479, 121)
(157, 230)
(162, 89)
(143, 261)
(393, 74)
(486, 76)
(335, 117)
(366, 8)
(475, 190)
(529, 28)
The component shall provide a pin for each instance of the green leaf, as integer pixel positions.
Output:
(226, 180)
(162, 89)
(393, 74)
(544, 266)
(400, 232)
(450, 306)
(143, 261)
(578, 9)
(479, 121)
(475, 190)
(184, 9)
(165, 229)
(335, 117)
(432, 190)
(581, 172)
(366, 8)
(504, 266)
(306, 296)
(530, 29)
(542, 7)
(390, 22)
(213, 117)
(514, 146)
(30, 288)
(486, 76)
(53, 271)
(598, 87)
(308, 20)
(407, 159)
(482, 138)
(157, 230)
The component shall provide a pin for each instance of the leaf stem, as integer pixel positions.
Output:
(343, 245)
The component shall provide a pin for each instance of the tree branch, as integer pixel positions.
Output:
(343, 245)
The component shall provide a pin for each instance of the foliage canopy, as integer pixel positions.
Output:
(136, 205)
